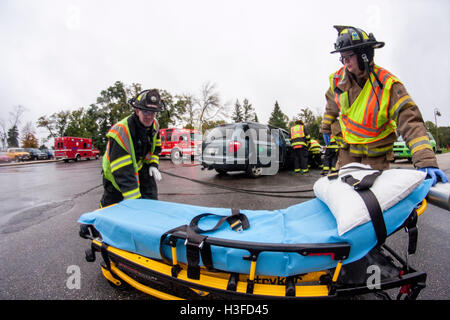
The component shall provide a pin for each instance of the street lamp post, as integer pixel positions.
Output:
(436, 114)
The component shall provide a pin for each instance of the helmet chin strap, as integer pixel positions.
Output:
(369, 70)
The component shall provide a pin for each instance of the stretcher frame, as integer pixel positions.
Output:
(123, 269)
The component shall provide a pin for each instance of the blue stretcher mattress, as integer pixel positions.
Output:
(137, 226)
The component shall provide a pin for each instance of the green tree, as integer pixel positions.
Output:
(249, 112)
(444, 137)
(176, 107)
(441, 134)
(56, 124)
(278, 118)
(207, 125)
(112, 106)
(13, 132)
(186, 110)
(237, 113)
(113, 101)
(75, 127)
(28, 139)
(13, 137)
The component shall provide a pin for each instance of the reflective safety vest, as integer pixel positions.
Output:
(366, 121)
(314, 146)
(298, 138)
(333, 143)
(120, 132)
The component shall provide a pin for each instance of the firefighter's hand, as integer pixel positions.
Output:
(154, 172)
(435, 174)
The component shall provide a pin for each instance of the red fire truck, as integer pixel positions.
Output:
(179, 143)
(74, 148)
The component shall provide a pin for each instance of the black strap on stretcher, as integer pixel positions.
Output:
(373, 206)
(195, 241)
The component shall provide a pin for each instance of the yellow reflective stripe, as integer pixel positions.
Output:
(328, 119)
(132, 194)
(148, 157)
(401, 103)
(155, 159)
(140, 164)
(158, 142)
(329, 94)
(420, 144)
(121, 162)
(120, 133)
(298, 144)
(415, 141)
(421, 147)
(129, 162)
(372, 152)
(125, 157)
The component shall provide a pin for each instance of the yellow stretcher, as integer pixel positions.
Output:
(169, 280)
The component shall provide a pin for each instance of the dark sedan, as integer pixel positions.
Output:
(36, 154)
(248, 146)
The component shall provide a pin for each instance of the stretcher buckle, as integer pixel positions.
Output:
(237, 226)
(200, 245)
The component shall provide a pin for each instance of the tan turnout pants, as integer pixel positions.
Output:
(378, 163)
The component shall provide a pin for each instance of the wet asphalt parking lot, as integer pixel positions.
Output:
(40, 205)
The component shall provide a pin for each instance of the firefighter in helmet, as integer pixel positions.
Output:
(130, 163)
(314, 154)
(330, 156)
(299, 142)
(365, 106)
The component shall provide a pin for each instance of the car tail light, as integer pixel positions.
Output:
(234, 146)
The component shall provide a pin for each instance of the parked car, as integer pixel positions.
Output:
(18, 154)
(247, 146)
(50, 153)
(4, 158)
(36, 154)
(401, 150)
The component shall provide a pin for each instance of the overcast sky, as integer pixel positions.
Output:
(58, 55)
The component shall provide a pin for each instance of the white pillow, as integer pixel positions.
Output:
(346, 204)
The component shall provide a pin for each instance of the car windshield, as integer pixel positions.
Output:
(222, 132)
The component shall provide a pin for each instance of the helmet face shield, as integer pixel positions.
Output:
(148, 100)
